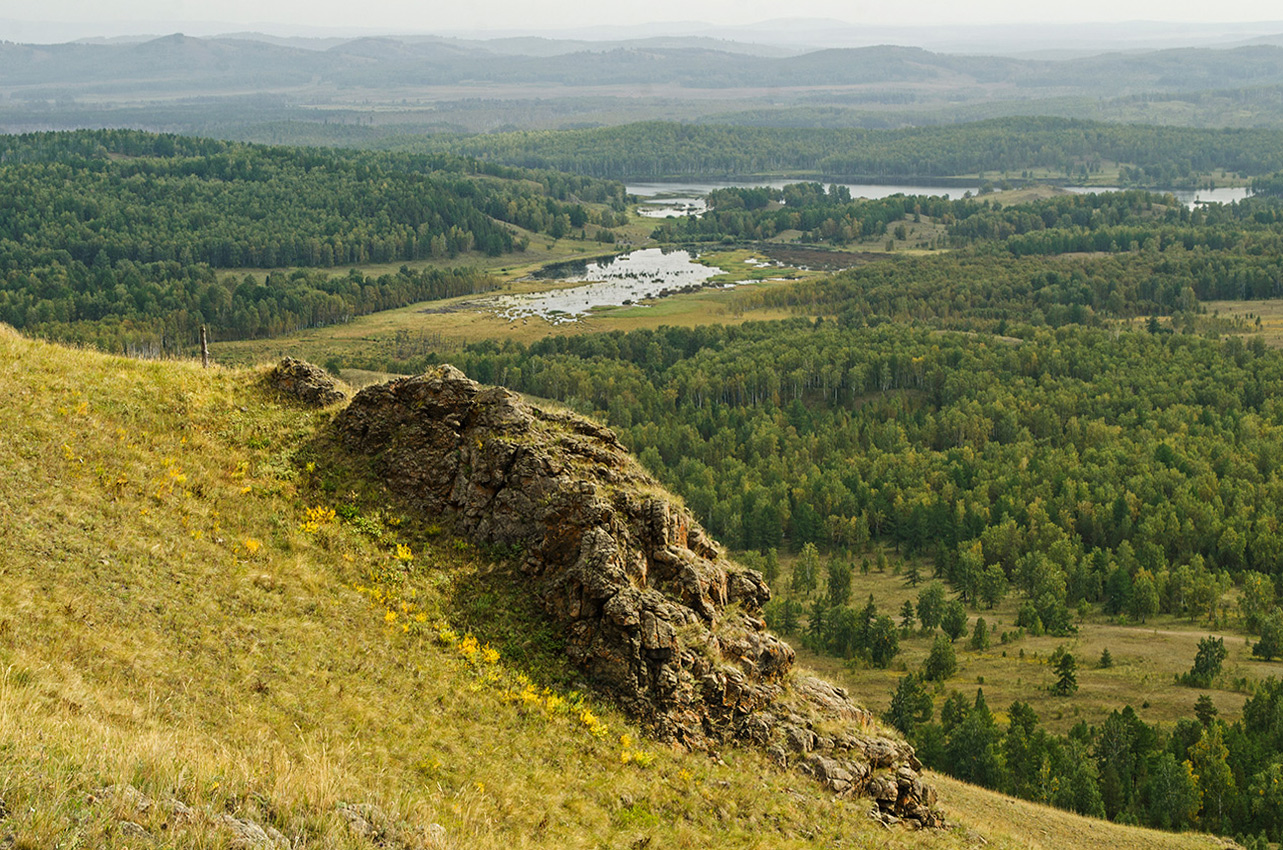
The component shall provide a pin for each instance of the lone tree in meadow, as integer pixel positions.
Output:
(912, 574)
(1207, 663)
(930, 605)
(1066, 675)
(954, 620)
(980, 635)
(941, 663)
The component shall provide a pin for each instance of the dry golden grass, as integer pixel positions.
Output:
(180, 612)
(1262, 318)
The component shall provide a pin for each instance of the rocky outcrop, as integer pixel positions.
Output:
(652, 610)
(304, 382)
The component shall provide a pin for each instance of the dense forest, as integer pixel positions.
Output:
(128, 259)
(1153, 156)
(145, 197)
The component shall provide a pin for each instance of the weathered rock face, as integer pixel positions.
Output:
(653, 612)
(299, 379)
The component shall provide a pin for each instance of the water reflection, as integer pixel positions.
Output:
(626, 279)
(1189, 197)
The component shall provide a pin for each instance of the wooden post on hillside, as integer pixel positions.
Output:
(204, 347)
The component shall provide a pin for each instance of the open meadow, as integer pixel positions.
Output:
(1146, 658)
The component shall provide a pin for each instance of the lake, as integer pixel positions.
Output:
(1189, 197)
(683, 192)
(625, 279)
(661, 200)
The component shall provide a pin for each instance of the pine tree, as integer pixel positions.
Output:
(1106, 660)
(1205, 710)
(1066, 678)
(788, 617)
(912, 574)
(771, 566)
(816, 627)
(980, 635)
(910, 705)
(907, 618)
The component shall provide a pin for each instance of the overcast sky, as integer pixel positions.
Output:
(118, 17)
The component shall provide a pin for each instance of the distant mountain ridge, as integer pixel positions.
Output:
(178, 64)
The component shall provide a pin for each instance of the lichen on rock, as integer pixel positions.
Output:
(653, 611)
(304, 382)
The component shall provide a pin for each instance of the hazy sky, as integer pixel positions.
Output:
(119, 16)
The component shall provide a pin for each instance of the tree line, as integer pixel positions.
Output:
(654, 150)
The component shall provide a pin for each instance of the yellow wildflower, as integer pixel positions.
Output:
(320, 515)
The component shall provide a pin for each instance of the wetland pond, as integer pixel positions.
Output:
(608, 282)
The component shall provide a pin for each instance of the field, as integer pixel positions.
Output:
(1263, 318)
(1146, 658)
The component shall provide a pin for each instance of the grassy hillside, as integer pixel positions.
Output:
(203, 603)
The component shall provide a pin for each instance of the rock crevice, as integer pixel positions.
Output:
(654, 613)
